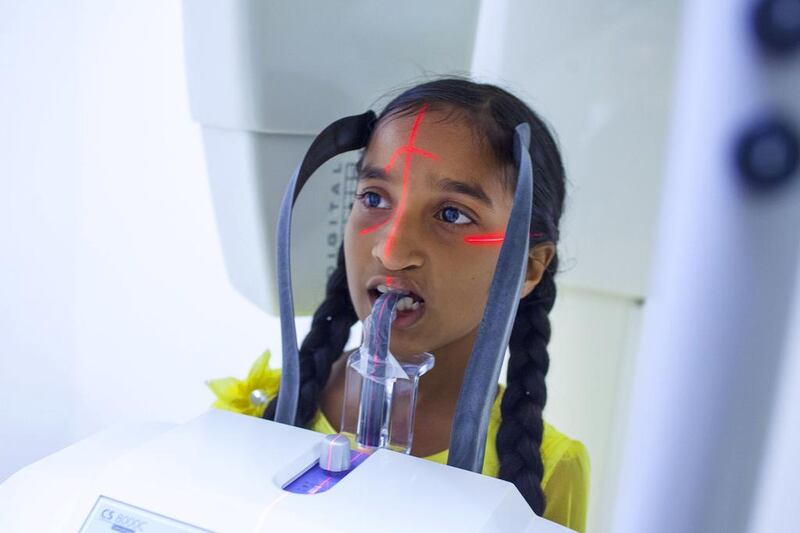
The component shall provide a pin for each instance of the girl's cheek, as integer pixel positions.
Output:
(364, 218)
(355, 221)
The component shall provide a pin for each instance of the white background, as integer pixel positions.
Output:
(115, 301)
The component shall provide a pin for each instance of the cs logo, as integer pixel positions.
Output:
(107, 515)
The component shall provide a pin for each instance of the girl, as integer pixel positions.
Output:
(433, 199)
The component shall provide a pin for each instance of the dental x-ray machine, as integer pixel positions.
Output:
(733, 194)
(225, 472)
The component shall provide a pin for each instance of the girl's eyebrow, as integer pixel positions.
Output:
(468, 189)
(444, 184)
(376, 173)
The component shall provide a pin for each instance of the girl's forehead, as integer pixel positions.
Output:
(440, 138)
(437, 152)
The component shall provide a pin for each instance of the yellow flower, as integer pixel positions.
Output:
(249, 397)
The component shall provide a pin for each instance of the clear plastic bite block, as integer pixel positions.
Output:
(380, 400)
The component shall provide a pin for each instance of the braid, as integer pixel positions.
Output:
(519, 438)
(330, 331)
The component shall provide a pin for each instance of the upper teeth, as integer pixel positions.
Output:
(405, 303)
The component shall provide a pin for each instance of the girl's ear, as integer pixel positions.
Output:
(539, 258)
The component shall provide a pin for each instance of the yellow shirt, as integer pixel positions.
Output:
(566, 462)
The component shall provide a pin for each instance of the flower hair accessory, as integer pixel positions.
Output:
(251, 395)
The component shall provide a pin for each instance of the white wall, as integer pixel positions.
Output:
(592, 354)
(115, 301)
(38, 227)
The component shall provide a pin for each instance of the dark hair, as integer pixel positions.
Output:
(493, 113)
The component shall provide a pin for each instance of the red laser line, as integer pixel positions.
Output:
(320, 485)
(411, 150)
(486, 238)
(330, 452)
(373, 228)
(408, 151)
(492, 238)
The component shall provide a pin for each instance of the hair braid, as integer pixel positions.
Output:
(519, 437)
(330, 330)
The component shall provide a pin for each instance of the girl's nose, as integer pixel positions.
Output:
(399, 246)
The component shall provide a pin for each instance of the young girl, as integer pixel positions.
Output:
(433, 199)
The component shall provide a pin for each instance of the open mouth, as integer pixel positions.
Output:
(409, 309)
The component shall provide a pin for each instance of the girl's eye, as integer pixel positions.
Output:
(371, 200)
(455, 216)
(451, 215)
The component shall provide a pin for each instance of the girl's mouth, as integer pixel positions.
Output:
(409, 309)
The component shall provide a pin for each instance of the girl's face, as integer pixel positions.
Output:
(427, 192)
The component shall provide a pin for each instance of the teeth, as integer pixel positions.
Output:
(383, 289)
(407, 304)
(404, 304)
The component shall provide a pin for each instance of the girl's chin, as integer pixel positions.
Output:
(406, 344)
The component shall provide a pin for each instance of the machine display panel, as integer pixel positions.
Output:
(109, 516)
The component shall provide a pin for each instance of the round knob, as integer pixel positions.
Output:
(768, 153)
(334, 453)
(777, 25)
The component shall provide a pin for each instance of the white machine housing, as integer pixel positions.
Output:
(224, 472)
(262, 83)
(265, 78)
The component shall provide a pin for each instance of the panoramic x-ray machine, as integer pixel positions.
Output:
(732, 197)
(225, 472)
